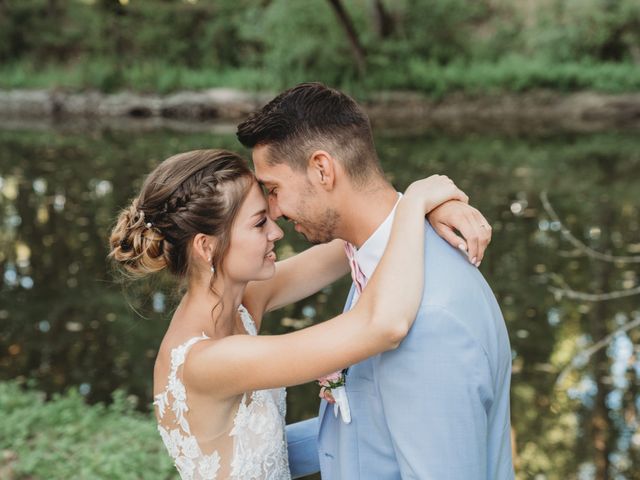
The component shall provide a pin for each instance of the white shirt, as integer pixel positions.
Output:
(370, 253)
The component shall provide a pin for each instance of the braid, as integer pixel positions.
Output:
(189, 193)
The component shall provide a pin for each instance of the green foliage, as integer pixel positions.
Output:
(509, 74)
(301, 41)
(515, 74)
(596, 30)
(148, 76)
(436, 46)
(437, 30)
(65, 438)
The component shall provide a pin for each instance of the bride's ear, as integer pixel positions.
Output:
(202, 248)
(322, 169)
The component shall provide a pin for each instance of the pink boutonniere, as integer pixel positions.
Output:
(329, 382)
(333, 391)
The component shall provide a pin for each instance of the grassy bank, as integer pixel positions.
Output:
(515, 74)
(65, 438)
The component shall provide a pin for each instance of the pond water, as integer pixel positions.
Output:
(65, 320)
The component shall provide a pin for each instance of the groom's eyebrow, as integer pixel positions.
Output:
(263, 187)
(265, 183)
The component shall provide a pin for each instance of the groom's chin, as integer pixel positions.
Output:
(309, 239)
(316, 239)
(315, 236)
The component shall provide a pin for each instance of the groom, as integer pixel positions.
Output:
(437, 407)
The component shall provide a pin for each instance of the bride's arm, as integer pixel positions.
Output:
(379, 321)
(313, 269)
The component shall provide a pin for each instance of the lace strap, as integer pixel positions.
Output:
(247, 321)
(175, 387)
(179, 353)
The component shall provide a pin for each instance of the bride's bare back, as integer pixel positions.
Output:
(208, 437)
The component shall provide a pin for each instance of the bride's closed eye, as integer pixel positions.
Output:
(261, 223)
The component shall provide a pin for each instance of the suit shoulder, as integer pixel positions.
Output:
(449, 276)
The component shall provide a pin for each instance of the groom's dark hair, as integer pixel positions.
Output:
(309, 117)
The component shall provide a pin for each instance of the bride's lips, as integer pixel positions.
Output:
(271, 256)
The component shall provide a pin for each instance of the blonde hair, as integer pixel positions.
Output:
(194, 192)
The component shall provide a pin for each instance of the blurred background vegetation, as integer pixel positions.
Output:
(434, 46)
(77, 346)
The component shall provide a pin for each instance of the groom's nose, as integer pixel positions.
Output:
(274, 210)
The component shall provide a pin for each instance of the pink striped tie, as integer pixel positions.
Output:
(358, 277)
(360, 280)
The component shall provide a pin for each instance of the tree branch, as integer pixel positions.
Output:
(565, 291)
(586, 250)
(357, 50)
(583, 356)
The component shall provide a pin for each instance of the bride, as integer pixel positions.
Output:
(218, 387)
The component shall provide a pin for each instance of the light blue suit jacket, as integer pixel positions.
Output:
(435, 408)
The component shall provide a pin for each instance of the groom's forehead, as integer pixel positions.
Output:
(260, 164)
(272, 174)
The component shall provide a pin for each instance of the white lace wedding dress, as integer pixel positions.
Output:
(253, 448)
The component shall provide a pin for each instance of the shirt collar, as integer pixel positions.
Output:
(369, 254)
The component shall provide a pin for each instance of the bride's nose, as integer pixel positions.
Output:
(275, 233)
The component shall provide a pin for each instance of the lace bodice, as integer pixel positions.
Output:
(253, 448)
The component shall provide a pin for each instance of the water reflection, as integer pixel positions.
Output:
(65, 321)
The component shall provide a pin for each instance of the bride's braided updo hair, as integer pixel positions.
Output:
(190, 193)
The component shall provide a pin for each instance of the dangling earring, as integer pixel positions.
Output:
(213, 269)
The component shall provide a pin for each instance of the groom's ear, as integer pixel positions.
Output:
(322, 169)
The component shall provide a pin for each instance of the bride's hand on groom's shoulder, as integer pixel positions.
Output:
(455, 217)
(450, 214)
(433, 191)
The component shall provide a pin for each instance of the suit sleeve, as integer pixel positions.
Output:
(436, 393)
(302, 443)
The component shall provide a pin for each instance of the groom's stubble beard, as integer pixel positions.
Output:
(321, 229)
